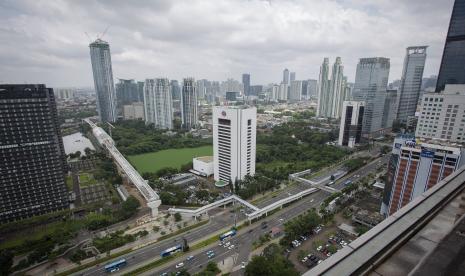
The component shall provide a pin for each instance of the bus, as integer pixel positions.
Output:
(348, 182)
(171, 250)
(228, 234)
(115, 266)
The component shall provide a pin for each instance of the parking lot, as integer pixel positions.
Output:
(313, 248)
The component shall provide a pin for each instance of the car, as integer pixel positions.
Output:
(281, 220)
(164, 274)
(303, 238)
(189, 258)
(210, 252)
(328, 254)
(211, 255)
(319, 261)
(243, 264)
(180, 265)
(231, 246)
(304, 259)
(319, 248)
(227, 244)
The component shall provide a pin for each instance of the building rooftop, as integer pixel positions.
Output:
(206, 159)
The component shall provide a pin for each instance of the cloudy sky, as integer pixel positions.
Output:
(44, 41)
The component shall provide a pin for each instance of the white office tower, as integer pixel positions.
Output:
(295, 91)
(323, 90)
(442, 115)
(410, 83)
(350, 131)
(283, 91)
(370, 86)
(336, 89)
(234, 139)
(158, 103)
(103, 80)
(189, 105)
(274, 93)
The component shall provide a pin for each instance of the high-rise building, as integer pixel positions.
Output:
(255, 90)
(442, 115)
(286, 76)
(134, 111)
(331, 91)
(189, 104)
(350, 131)
(64, 93)
(410, 82)
(246, 84)
(452, 70)
(175, 90)
(126, 93)
(274, 93)
(295, 91)
(291, 77)
(103, 80)
(415, 167)
(283, 92)
(370, 86)
(140, 91)
(312, 89)
(32, 157)
(234, 142)
(323, 90)
(337, 89)
(230, 85)
(390, 108)
(158, 103)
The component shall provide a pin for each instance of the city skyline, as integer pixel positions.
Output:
(59, 56)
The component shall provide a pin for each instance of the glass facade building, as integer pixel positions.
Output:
(103, 80)
(452, 70)
(32, 156)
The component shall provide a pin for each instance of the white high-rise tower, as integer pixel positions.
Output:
(158, 103)
(234, 139)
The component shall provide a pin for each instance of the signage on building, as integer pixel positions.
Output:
(397, 145)
(427, 153)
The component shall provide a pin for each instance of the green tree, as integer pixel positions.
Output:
(270, 263)
(177, 217)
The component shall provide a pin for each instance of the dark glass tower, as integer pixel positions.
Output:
(32, 158)
(452, 69)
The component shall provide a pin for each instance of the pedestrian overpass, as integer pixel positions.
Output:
(151, 197)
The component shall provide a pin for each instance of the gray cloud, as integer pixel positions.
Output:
(44, 40)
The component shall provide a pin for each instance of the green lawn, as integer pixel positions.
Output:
(86, 179)
(152, 162)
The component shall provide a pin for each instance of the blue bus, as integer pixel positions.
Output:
(115, 266)
(348, 182)
(171, 250)
(228, 234)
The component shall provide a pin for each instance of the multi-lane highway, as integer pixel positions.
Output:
(218, 221)
(243, 241)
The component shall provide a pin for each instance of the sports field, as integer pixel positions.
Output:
(153, 161)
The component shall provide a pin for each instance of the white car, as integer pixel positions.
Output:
(304, 259)
(179, 265)
(243, 264)
(319, 248)
(227, 244)
(231, 247)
